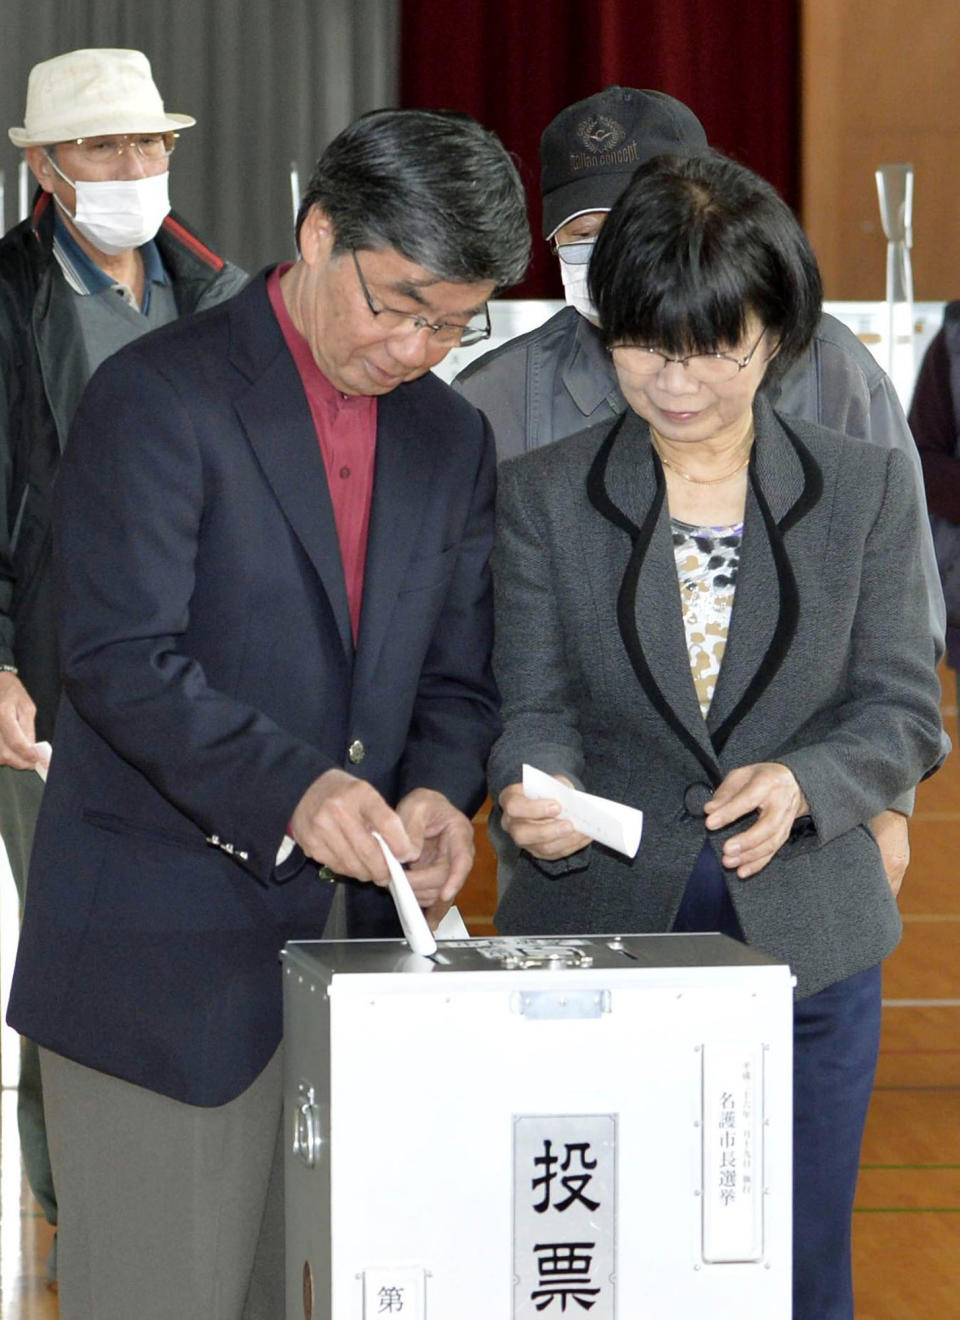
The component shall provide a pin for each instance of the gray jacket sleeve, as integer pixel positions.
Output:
(530, 662)
(540, 714)
(849, 773)
(838, 383)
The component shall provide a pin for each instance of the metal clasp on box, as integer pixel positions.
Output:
(307, 1137)
(557, 1005)
(557, 957)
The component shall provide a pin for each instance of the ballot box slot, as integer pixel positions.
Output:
(616, 945)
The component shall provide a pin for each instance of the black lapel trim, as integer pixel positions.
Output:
(812, 480)
(599, 497)
(789, 612)
(597, 492)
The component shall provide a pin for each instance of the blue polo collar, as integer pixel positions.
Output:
(85, 276)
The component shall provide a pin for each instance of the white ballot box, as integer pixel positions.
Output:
(537, 1127)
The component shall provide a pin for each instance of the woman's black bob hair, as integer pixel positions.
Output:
(694, 245)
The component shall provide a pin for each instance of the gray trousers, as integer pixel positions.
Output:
(20, 795)
(167, 1211)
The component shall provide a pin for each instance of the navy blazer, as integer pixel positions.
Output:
(210, 676)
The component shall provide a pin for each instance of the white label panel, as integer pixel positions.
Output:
(732, 1153)
(565, 1215)
(393, 1292)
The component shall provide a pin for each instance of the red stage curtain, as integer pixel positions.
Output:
(514, 64)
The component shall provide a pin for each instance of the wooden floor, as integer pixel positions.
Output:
(907, 1220)
(24, 1233)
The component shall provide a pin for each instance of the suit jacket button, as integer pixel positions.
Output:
(356, 752)
(695, 798)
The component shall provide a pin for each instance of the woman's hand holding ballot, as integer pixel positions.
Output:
(535, 824)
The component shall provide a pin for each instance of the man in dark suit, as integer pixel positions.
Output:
(272, 537)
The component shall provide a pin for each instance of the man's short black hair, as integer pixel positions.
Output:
(434, 185)
(694, 245)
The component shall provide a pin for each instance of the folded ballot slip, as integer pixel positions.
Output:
(418, 934)
(610, 823)
(415, 928)
(44, 752)
(452, 927)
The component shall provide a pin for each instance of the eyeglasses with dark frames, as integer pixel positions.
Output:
(444, 332)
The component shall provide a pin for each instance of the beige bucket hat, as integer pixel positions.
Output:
(88, 92)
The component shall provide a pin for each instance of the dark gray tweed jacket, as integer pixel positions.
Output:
(830, 668)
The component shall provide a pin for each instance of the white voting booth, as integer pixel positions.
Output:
(541, 1127)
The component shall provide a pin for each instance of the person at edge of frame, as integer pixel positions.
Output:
(934, 418)
(98, 262)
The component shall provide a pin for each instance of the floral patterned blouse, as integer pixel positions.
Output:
(707, 562)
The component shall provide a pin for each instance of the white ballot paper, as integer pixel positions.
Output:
(452, 927)
(44, 752)
(612, 823)
(414, 923)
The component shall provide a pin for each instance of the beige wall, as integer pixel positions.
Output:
(881, 82)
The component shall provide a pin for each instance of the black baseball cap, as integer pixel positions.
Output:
(588, 153)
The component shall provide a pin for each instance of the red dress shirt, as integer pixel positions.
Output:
(346, 427)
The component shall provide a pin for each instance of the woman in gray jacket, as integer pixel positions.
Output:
(717, 614)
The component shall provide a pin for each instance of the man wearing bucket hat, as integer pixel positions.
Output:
(559, 379)
(99, 262)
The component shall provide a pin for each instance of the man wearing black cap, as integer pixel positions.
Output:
(588, 154)
(558, 379)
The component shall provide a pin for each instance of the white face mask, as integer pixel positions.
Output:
(116, 215)
(576, 289)
(574, 243)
